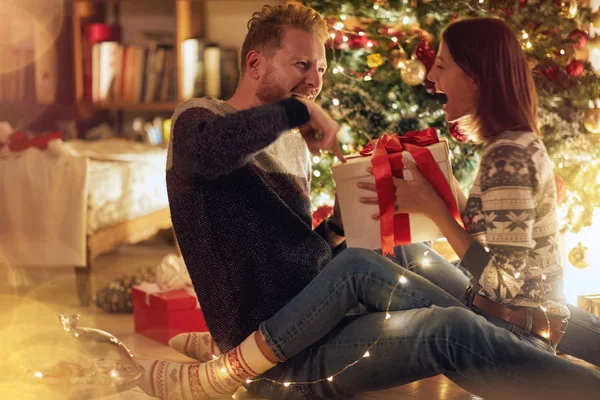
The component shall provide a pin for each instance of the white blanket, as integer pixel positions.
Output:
(43, 207)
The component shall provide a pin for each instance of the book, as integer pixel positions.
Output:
(192, 68)
(212, 63)
(230, 71)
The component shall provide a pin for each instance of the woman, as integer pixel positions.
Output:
(512, 205)
(509, 243)
(312, 339)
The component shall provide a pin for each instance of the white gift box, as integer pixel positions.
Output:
(363, 231)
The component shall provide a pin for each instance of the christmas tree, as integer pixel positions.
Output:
(379, 54)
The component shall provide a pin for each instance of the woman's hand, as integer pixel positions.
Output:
(415, 196)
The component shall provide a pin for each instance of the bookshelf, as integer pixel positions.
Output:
(128, 106)
(189, 22)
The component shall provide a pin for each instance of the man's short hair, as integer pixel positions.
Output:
(267, 27)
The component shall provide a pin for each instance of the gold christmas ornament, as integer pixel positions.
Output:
(595, 19)
(578, 256)
(413, 72)
(591, 120)
(593, 43)
(397, 56)
(374, 60)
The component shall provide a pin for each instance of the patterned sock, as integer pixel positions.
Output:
(197, 345)
(215, 379)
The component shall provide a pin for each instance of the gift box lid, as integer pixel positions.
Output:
(151, 295)
(356, 165)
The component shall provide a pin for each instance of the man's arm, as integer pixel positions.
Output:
(208, 145)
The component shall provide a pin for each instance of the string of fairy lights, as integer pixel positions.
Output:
(338, 28)
(402, 280)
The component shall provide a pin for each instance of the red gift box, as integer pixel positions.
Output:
(161, 315)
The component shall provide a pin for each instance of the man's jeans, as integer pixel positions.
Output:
(429, 332)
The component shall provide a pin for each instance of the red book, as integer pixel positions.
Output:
(95, 33)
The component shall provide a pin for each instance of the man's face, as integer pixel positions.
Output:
(296, 69)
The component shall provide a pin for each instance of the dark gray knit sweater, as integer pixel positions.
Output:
(238, 186)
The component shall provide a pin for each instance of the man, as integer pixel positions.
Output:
(238, 177)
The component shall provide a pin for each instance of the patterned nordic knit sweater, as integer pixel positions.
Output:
(511, 211)
(238, 186)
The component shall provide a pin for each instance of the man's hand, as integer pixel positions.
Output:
(320, 132)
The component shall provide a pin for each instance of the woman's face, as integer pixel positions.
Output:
(461, 90)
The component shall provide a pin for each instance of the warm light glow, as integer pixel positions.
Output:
(367, 354)
(525, 35)
(517, 275)
(38, 374)
(546, 334)
(544, 309)
(248, 381)
(338, 26)
(528, 45)
(214, 357)
(361, 33)
(369, 44)
(223, 370)
(426, 262)
(336, 102)
(332, 35)
(395, 39)
(286, 384)
(573, 9)
(543, 277)
(330, 378)
(375, 7)
(316, 159)
(577, 281)
(403, 280)
(345, 38)
(368, 78)
(343, 17)
(317, 173)
(388, 316)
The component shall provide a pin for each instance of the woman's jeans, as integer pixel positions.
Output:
(429, 332)
(581, 338)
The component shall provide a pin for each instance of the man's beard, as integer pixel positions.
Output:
(269, 90)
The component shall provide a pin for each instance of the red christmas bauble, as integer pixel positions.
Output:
(575, 68)
(430, 86)
(551, 72)
(425, 53)
(561, 188)
(337, 42)
(456, 134)
(320, 214)
(579, 38)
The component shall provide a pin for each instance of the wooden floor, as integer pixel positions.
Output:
(50, 292)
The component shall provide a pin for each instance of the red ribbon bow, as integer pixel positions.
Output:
(387, 162)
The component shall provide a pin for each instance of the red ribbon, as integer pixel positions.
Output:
(387, 162)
